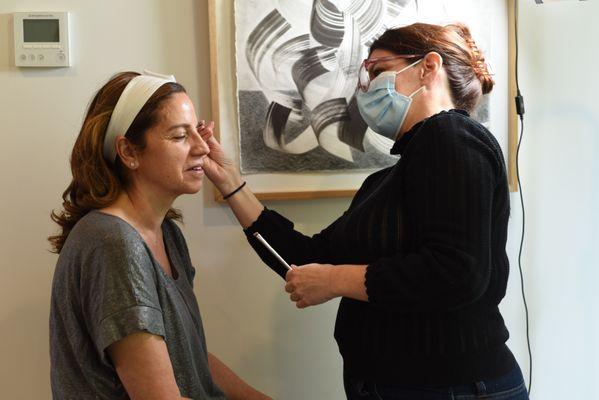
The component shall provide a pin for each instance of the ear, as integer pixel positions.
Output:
(432, 63)
(126, 152)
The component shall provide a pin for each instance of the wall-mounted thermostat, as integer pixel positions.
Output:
(42, 39)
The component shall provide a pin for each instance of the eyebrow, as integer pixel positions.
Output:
(382, 64)
(181, 126)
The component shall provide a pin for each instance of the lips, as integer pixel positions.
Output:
(196, 167)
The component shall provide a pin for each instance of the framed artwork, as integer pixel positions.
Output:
(284, 74)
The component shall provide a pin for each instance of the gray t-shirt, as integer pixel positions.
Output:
(108, 285)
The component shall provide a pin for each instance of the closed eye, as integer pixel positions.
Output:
(179, 136)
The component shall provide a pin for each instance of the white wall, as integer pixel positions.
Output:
(249, 322)
(559, 61)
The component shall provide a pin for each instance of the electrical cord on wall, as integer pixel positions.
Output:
(520, 111)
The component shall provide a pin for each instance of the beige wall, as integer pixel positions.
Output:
(248, 319)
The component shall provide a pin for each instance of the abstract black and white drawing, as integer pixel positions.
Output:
(297, 65)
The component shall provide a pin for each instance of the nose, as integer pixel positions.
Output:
(199, 146)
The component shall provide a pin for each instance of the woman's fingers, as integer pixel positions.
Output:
(301, 304)
(308, 284)
(206, 131)
(289, 288)
(295, 297)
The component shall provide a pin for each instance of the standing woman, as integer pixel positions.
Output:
(419, 257)
(124, 320)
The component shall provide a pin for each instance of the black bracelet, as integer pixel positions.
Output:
(234, 191)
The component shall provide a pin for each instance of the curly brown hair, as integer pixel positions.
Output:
(97, 183)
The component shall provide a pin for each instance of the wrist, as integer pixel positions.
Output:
(234, 192)
(335, 279)
(230, 184)
(348, 281)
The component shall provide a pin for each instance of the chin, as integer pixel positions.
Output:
(193, 189)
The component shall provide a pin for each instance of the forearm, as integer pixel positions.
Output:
(245, 206)
(231, 384)
(349, 281)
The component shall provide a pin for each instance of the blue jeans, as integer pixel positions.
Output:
(508, 387)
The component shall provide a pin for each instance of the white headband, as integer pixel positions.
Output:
(137, 92)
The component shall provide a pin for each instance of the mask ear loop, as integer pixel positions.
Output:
(402, 70)
(409, 66)
(415, 92)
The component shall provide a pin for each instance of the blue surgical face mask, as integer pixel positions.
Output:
(382, 107)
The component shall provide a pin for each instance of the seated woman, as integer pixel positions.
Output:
(124, 319)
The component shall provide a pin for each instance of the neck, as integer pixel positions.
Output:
(145, 212)
(425, 104)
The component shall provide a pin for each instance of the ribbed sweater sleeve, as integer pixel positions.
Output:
(295, 247)
(448, 187)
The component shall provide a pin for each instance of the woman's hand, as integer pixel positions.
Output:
(218, 167)
(313, 284)
(310, 284)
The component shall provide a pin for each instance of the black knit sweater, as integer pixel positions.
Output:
(432, 230)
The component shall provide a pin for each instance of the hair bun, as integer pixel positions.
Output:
(479, 65)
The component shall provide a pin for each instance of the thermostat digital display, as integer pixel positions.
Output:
(41, 30)
(42, 39)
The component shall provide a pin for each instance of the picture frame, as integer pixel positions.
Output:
(329, 184)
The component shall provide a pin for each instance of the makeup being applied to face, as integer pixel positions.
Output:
(172, 161)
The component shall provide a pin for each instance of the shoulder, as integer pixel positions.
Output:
(102, 243)
(372, 181)
(375, 177)
(455, 132)
(105, 261)
(98, 230)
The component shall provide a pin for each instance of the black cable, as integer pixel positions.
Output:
(520, 110)
(520, 258)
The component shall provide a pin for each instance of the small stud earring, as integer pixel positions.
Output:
(132, 165)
